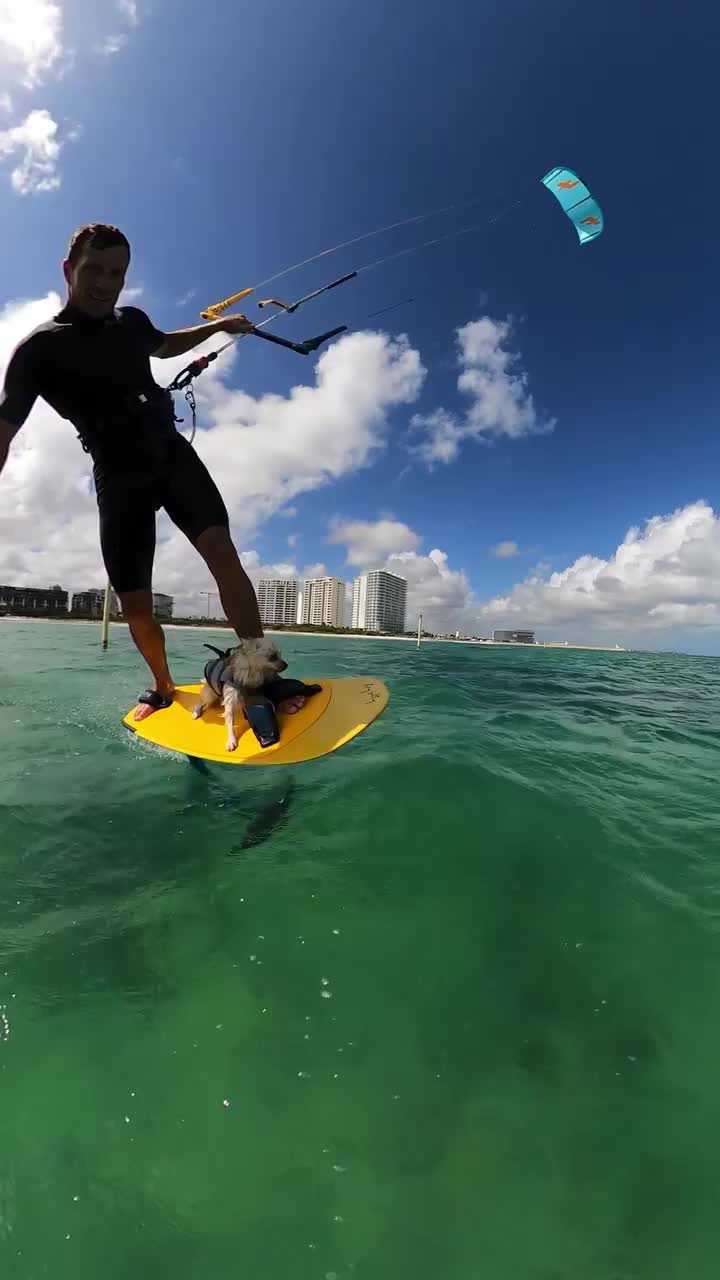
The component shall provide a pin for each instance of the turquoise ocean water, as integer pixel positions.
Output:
(442, 1005)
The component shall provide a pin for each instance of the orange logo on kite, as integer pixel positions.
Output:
(591, 221)
(568, 183)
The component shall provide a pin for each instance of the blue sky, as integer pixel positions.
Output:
(231, 140)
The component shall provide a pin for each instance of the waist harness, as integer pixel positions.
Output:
(142, 422)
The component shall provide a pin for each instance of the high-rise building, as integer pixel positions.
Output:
(277, 600)
(379, 601)
(33, 600)
(323, 602)
(93, 602)
(162, 605)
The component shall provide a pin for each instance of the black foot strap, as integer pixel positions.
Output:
(260, 707)
(154, 698)
(261, 717)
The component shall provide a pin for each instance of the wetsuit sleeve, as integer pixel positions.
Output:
(143, 326)
(20, 390)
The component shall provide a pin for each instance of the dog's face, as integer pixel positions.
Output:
(255, 661)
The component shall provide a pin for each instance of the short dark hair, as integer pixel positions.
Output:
(98, 235)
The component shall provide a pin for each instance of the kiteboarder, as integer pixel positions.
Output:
(91, 363)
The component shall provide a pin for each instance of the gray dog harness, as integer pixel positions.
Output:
(217, 670)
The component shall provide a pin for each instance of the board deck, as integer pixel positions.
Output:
(342, 709)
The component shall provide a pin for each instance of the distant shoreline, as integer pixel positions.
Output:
(345, 635)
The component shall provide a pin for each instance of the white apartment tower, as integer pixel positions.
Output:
(278, 601)
(323, 602)
(379, 600)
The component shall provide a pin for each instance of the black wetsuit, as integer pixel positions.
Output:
(97, 374)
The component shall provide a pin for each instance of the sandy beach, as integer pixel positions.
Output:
(344, 635)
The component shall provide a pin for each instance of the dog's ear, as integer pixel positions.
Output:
(221, 653)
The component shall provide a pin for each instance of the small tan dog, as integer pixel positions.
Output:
(236, 673)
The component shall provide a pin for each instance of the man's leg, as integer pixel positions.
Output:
(236, 590)
(127, 536)
(137, 608)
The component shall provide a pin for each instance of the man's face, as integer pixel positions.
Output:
(95, 280)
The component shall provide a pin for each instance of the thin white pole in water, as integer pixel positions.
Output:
(106, 616)
(419, 629)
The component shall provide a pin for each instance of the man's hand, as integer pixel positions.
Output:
(235, 324)
(182, 340)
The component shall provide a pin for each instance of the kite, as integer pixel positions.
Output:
(580, 206)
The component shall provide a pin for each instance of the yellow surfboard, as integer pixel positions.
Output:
(341, 710)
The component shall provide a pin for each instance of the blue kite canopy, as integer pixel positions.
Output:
(580, 206)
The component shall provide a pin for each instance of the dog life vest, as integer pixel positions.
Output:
(217, 670)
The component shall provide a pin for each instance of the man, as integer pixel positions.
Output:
(91, 363)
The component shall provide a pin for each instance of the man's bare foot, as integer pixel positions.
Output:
(291, 705)
(145, 709)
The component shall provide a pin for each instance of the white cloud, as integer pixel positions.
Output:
(316, 570)
(6, 104)
(48, 518)
(504, 550)
(369, 543)
(257, 568)
(441, 433)
(262, 451)
(292, 539)
(499, 401)
(443, 595)
(288, 445)
(129, 11)
(30, 38)
(661, 578)
(665, 575)
(36, 141)
(112, 44)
